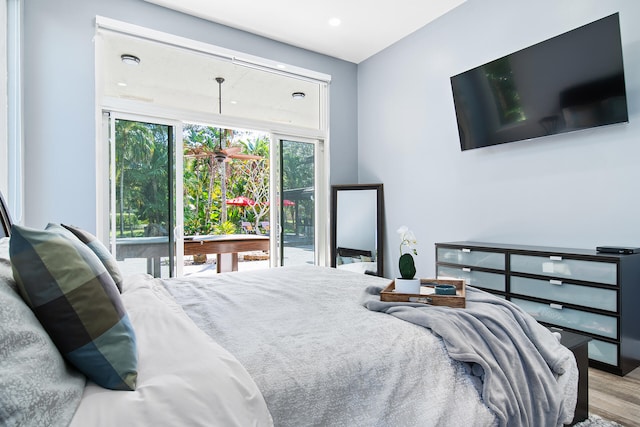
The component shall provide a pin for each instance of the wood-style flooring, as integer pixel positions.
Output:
(615, 398)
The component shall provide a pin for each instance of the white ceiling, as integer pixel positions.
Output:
(367, 26)
(175, 78)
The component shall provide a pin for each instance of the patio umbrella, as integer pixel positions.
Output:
(241, 201)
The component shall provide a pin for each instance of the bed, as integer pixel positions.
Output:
(357, 260)
(291, 346)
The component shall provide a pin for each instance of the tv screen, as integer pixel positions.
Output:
(570, 82)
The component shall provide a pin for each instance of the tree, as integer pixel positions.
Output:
(134, 143)
(298, 173)
(199, 145)
(202, 170)
(256, 175)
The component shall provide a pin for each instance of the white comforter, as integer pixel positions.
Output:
(321, 359)
(184, 377)
(289, 346)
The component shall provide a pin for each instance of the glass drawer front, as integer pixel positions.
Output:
(591, 271)
(604, 352)
(479, 279)
(599, 324)
(556, 290)
(471, 257)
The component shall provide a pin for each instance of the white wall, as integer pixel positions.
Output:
(571, 190)
(59, 104)
(4, 150)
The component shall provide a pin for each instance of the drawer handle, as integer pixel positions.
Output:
(466, 250)
(466, 269)
(556, 282)
(555, 258)
(556, 306)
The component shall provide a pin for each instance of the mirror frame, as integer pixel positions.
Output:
(335, 189)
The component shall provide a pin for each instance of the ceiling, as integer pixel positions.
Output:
(366, 26)
(181, 79)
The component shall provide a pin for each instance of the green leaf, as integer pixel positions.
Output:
(407, 266)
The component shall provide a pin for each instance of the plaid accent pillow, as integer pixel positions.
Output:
(77, 302)
(100, 250)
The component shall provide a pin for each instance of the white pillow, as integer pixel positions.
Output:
(184, 377)
(38, 387)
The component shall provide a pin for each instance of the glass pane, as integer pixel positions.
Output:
(143, 216)
(226, 199)
(297, 207)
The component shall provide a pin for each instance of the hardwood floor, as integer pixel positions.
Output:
(615, 398)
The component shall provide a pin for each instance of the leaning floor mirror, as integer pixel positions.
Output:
(357, 228)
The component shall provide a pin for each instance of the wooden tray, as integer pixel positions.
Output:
(456, 301)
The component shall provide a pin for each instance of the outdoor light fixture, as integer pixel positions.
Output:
(130, 59)
(298, 95)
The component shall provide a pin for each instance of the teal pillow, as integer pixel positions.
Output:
(101, 251)
(77, 302)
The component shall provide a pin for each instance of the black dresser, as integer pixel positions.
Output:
(577, 290)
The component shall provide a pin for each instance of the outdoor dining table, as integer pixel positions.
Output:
(225, 246)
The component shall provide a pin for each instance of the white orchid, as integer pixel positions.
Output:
(408, 239)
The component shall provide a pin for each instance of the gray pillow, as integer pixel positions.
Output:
(101, 251)
(38, 387)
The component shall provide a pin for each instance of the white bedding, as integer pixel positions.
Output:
(184, 377)
(291, 346)
(321, 359)
(360, 267)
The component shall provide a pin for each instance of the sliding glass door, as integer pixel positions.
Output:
(145, 220)
(296, 195)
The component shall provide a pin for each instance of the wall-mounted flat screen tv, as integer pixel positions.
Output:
(571, 82)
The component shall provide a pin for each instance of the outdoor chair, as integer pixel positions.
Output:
(248, 228)
(265, 227)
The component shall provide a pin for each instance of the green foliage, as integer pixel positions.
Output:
(142, 178)
(129, 219)
(407, 266)
(203, 196)
(499, 75)
(225, 228)
(298, 174)
(141, 173)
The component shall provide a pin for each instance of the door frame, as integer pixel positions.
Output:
(106, 189)
(175, 115)
(321, 207)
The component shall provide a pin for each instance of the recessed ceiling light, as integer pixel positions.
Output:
(298, 95)
(122, 84)
(334, 22)
(130, 59)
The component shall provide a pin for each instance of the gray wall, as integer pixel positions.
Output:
(59, 98)
(570, 190)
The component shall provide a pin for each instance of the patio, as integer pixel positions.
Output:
(293, 256)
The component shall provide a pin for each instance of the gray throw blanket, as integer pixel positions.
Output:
(522, 363)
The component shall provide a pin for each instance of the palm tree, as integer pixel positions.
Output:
(133, 148)
(207, 144)
(200, 145)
